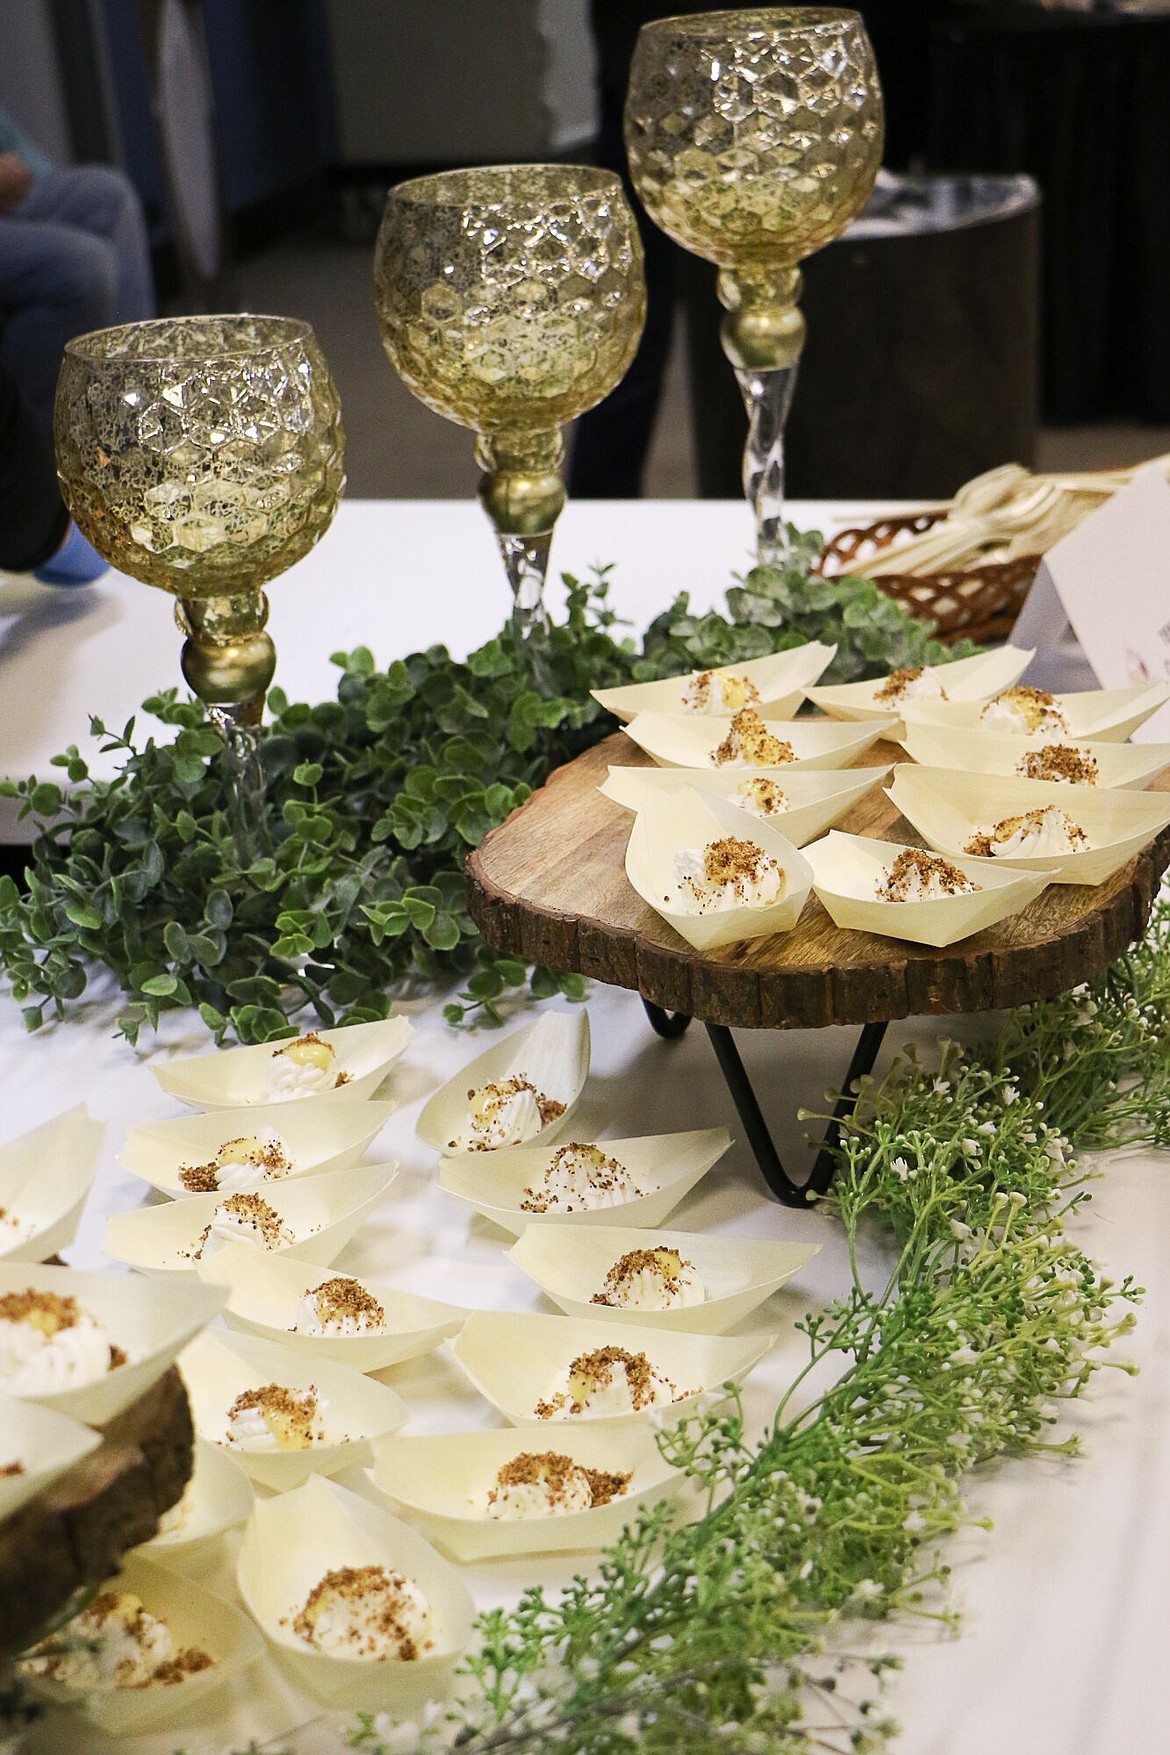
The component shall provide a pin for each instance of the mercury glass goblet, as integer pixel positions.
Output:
(205, 455)
(754, 138)
(511, 299)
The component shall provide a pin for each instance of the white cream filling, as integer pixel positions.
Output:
(508, 1123)
(1013, 716)
(653, 1288)
(1042, 839)
(348, 1626)
(33, 1363)
(121, 1649)
(287, 1081)
(526, 1499)
(607, 1393)
(694, 895)
(314, 1317)
(256, 1430)
(574, 1182)
(724, 694)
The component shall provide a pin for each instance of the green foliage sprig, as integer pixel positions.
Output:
(375, 799)
(732, 1634)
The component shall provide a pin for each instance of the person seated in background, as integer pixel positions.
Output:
(37, 534)
(74, 256)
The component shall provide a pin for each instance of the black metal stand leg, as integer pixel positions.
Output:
(864, 1055)
(670, 1025)
(792, 1194)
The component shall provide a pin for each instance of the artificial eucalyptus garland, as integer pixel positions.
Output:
(375, 799)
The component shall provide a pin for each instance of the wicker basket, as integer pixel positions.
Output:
(979, 603)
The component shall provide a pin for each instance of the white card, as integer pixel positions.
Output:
(1112, 578)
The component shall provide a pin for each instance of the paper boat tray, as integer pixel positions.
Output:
(816, 797)
(666, 1165)
(196, 1618)
(288, 1547)
(685, 820)
(218, 1497)
(236, 1078)
(964, 679)
(675, 741)
(515, 1361)
(45, 1177)
(948, 808)
(737, 1274)
(149, 1321)
(321, 1212)
(444, 1481)
(553, 1053)
(780, 679)
(847, 869)
(1108, 714)
(218, 1367)
(44, 1443)
(264, 1294)
(330, 1133)
(1119, 765)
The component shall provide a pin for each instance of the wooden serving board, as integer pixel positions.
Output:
(549, 884)
(71, 1537)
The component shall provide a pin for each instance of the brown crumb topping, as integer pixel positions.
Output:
(899, 681)
(291, 1413)
(913, 867)
(342, 1297)
(267, 1157)
(9, 1471)
(386, 1609)
(594, 1371)
(668, 1264)
(200, 1178)
(549, 1468)
(53, 1657)
(187, 1662)
(1058, 761)
(748, 739)
(731, 862)
(48, 1311)
(256, 1214)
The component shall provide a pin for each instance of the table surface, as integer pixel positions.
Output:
(1065, 1601)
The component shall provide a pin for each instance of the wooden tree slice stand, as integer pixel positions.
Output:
(71, 1538)
(549, 884)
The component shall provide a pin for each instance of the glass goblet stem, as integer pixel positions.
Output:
(229, 661)
(763, 334)
(522, 493)
(243, 779)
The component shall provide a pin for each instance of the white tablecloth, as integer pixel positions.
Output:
(1067, 1599)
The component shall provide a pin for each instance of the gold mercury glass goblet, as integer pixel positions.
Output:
(754, 138)
(511, 299)
(205, 455)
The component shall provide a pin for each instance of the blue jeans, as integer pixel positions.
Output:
(74, 255)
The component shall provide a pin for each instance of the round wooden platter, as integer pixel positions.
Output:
(549, 884)
(71, 1538)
